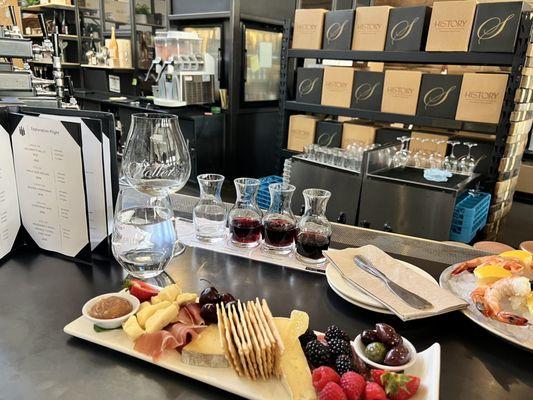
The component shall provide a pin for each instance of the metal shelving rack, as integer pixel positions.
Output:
(294, 58)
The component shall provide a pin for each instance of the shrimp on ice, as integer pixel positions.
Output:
(471, 265)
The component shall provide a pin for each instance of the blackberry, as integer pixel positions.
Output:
(317, 353)
(335, 332)
(339, 347)
(343, 364)
(307, 337)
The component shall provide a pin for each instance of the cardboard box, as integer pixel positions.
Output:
(450, 26)
(400, 92)
(337, 87)
(439, 95)
(309, 85)
(302, 130)
(525, 179)
(338, 30)
(407, 28)
(308, 28)
(328, 133)
(367, 90)
(481, 97)
(370, 29)
(363, 135)
(429, 146)
(496, 27)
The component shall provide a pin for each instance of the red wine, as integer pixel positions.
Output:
(279, 232)
(246, 230)
(311, 244)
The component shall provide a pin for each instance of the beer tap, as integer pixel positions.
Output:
(155, 62)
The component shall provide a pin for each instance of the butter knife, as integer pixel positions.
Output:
(407, 296)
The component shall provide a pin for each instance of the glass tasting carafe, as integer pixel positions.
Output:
(279, 222)
(245, 218)
(314, 229)
(209, 214)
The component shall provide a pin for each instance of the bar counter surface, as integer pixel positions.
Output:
(40, 294)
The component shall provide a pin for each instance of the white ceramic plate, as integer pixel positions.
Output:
(356, 296)
(359, 349)
(521, 336)
(379, 310)
(427, 366)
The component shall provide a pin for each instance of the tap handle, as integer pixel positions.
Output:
(165, 65)
(155, 62)
(42, 22)
(12, 15)
(55, 42)
(69, 85)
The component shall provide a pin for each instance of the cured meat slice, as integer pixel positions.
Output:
(153, 344)
(190, 314)
(184, 333)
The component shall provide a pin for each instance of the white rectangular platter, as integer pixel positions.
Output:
(427, 366)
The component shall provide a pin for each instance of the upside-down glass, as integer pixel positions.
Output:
(209, 214)
(450, 161)
(314, 229)
(401, 157)
(245, 218)
(467, 165)
(279, 222)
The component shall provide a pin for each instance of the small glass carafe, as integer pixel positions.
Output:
(209, 214)
(314, 229)
(279, 223)
(245, 218)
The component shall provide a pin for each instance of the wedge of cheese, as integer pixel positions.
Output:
(150, 310)
(296, 374)
(205, 350)
(132, 328)
(161, 318)
(168, 293)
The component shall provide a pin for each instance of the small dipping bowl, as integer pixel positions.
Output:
(114, 322)
(359, 349)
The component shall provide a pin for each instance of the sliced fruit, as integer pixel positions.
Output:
(523, 257)
(489, 273)
(142, 290)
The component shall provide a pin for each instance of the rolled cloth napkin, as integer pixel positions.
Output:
(443, 300)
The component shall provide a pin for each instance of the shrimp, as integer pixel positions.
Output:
(471, 265)
(487, 298)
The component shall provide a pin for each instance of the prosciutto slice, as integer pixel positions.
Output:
(184, 333)
(153, 344)
(190, 314)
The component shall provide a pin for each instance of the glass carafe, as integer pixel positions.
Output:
(279, 222)
(314, 229)
(209, 214)
(245, 218)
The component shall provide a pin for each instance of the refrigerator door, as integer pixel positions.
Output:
(262, 54)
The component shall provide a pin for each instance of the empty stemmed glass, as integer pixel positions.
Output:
(402, 156)
(467, 164)
(435, 158)
(450, 161)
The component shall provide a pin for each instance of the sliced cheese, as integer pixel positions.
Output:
(295, 370)
(148, 311)
(161, 318)
(185, 298)
(205, 350)
(132, 328)
(168, 293)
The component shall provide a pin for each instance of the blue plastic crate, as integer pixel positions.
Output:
(469, 216)
(263, 196)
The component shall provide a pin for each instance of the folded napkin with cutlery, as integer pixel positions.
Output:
(442, 300)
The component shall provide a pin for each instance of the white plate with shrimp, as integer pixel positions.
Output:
(500, 307)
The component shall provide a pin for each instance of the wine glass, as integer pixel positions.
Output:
(450, 161)
(156, 158)
(401, 157)
(467, 164)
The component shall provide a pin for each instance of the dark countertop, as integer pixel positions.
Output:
(39, 294)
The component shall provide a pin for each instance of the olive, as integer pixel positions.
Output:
(396, 340)
(368, 336)
(385, 333)
(376, 352)
(398, 355)
(209, 295)
(209, 313)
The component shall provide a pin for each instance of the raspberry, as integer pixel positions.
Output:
(343, 364)
(332, 391)
(334, 331)
(374, 392)
(324, 375)
(339, 346)
(353, 385)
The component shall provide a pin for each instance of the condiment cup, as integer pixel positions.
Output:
(114, 322)
(359, 349)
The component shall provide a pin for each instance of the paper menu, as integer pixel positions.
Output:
(93, 163)
(48, 162)
(9, 206)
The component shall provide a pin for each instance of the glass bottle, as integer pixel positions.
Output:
(209, 214)
(245, 218)
(314, 229)
(279, 222)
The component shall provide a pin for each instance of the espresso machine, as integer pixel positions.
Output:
(184, 74)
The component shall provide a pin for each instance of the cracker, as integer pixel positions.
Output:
(249, 330)
(231, 346)
(279, 342)
(244, 342)
(267, 335)
(237, 341)
(222, 334)
(260, 337)
(247, 337)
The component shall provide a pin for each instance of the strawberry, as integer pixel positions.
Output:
(397, 386)
(374, 392)
(323, 375)
(353, 385)
(332, 391)
(142, 290)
